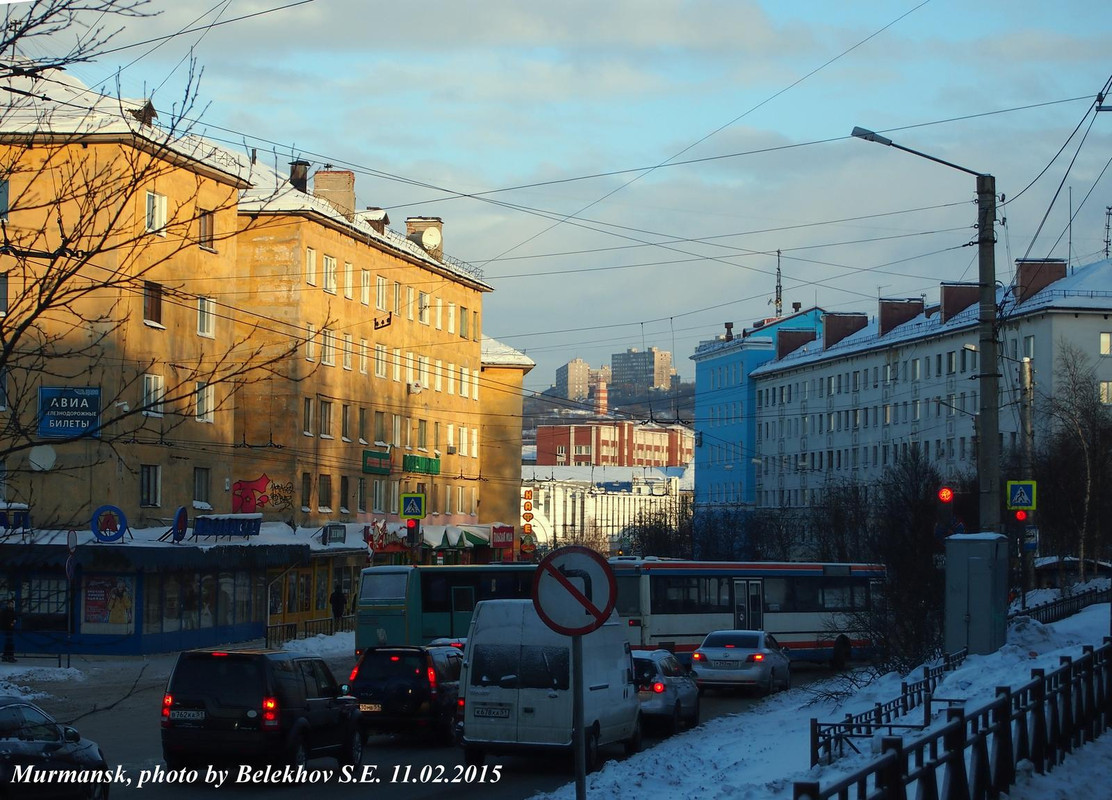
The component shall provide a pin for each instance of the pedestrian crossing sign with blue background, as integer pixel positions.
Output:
(413, 506)
(1021, 494)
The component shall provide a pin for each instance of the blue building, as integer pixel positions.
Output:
(725, 420)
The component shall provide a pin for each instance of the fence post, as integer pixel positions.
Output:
(1068, 732)
(1038, 721)
(1087, 707)
(1003, 767)
(903, 698)
(928, 698)
(814, 741)
(891, 778)
(954, 739)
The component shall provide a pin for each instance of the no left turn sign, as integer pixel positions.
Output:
(574, 590)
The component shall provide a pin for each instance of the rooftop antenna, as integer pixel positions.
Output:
(779, 296)
(1107, 239)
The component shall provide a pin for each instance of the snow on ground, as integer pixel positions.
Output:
(756, 755)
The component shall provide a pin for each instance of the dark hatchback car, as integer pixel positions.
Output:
(407, 689)
(31, 737)
(256, 706)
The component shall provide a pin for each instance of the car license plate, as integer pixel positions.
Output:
(492, 712)
(185, 714)
(723, 664)
(370, 707)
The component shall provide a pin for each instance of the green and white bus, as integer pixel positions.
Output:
(419, 603)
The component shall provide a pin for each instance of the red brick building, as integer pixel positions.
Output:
(620, 443)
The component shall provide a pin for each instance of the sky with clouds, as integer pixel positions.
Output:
(624, 173)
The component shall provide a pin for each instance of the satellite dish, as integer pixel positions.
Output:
(42, 457)
(430, 239)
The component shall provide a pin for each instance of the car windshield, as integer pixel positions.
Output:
(525, 666)
(746, 641)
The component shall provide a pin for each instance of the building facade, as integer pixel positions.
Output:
(636, 369)
(619, 443)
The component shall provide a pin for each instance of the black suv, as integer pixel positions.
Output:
(263, 706)
(408, 689)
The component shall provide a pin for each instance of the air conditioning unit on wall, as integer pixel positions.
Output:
(413, 388)
(451, 449)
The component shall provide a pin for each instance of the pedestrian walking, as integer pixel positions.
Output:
(7, 625)
(339, 604)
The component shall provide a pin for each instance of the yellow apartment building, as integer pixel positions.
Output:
(383, 398)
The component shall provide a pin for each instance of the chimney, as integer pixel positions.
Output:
(788, 341)
(729, 331)
(894, 313)
(427, 232)
(836, 327)
(599, 396)
(337, 186)
(1032, 275)
(956, 297)
(376, 218)
(299, 175)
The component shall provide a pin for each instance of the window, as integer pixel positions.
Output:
(3, 292)
(326, 418)
(206, 317)
(396, 438)
(156, 213)
(378, 498)
(474, 442)
(380, 361)
(361, 495)
(474, 326)
(150, 485)
(328, 348)
(310, 266)
(363, 425)
(349, 280)
(345, 422)
(380, 293)
(306, 489)
(310, 342)
(324, 492)
(439, 313)
(307, 417)
(345, 492)
(348, 348)
(205, 401)
(451, 317)
(462, 440)
(153, 393)
(462, 322)
(397, 299)
(330, 274)
(423, 370)
(422, 434)
(1106, 393)
(409, 301)
(439, 375)
(423, 308)
(380, 426)
(4, 200)
(365, 287)
(1105, 339)
(206, 229)
(202, 479)
(397, 364)
(152, 302)
(464, 381)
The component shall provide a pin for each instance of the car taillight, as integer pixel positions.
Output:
(354, 672)
(270, 713)
(459, 708)
(432, 681)
(167, 701)
(658, 687)
(698, 657)
(755, 657)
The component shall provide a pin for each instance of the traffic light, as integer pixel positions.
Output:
(412, 532)
(1020, 516)
(944, 512)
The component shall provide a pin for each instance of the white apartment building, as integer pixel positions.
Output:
(844, 408)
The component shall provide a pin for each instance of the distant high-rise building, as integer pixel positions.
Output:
(573, 379)
(642, 369)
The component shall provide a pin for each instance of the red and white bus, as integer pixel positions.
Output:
(810, 608)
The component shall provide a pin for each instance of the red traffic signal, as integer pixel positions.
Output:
(412, 532)
(1020, 515)
(946, 494)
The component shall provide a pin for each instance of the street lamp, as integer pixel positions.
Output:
(988, 450)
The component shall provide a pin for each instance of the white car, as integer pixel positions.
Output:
(666, 689)
(741, 658)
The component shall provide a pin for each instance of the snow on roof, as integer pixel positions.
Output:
(498, 354)
(52, 102)
(1086, 288)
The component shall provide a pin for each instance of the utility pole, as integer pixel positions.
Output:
(988, 449)
(1027, 398)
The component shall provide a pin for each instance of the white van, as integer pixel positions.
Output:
(516, 686)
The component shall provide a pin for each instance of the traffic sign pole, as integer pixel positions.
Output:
(578, 742)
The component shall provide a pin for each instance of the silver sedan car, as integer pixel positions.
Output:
(666, 689)
(741, 658)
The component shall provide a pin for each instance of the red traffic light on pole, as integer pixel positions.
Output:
(412, 532)
(946, 495)
(1020, 515)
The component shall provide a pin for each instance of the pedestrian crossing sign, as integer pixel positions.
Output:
(1021, 495)
(412, 506)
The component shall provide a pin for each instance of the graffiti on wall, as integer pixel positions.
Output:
(249, 497)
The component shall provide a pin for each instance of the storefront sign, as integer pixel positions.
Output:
(502, 536)
(69, 411)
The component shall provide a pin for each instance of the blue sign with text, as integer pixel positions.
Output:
(69, 411)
